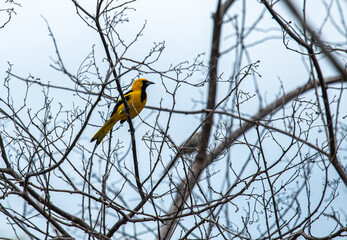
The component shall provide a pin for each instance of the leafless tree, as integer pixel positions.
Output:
(248, 168)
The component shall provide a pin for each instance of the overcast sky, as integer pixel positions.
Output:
(185, 26)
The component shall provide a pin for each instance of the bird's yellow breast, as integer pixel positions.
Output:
(135, 105)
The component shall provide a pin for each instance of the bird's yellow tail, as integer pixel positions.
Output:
(99, 135)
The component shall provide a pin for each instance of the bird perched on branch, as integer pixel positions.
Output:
(136, 99)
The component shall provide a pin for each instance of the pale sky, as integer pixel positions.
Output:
(185, 26)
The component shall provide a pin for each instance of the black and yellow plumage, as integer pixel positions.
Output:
(136, 99)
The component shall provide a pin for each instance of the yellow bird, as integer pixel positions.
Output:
(136, 99)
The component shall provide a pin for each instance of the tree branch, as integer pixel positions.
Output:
(332, 140)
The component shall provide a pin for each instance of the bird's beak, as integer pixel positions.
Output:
(149, 83)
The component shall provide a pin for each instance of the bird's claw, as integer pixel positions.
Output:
(132, 131)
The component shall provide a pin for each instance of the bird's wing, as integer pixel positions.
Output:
(127, 96)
